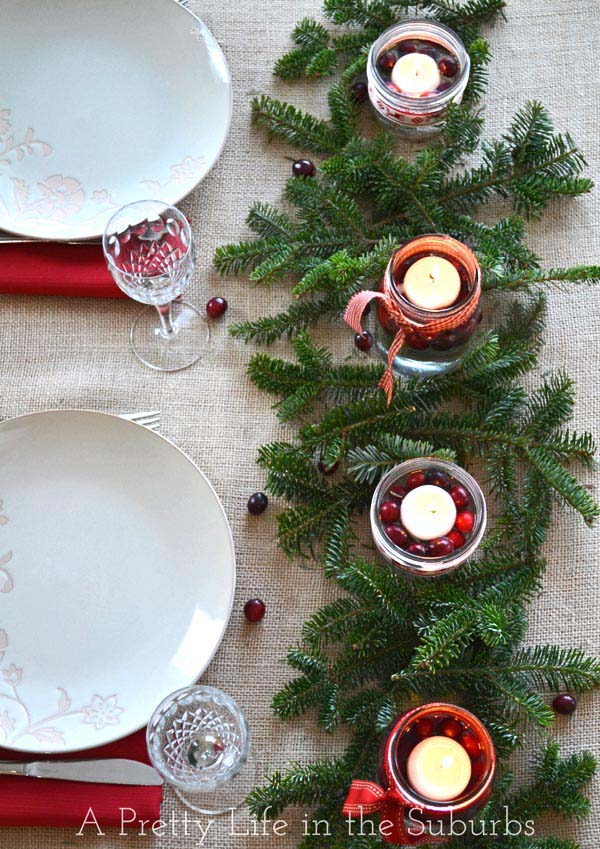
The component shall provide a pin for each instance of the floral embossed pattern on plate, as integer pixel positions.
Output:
(116, 578)
(118, 114)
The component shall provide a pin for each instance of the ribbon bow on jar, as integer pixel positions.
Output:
(358, 303)
(366, 797)
(409, 318)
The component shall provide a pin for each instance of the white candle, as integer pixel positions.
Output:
(439, 769)
(432, 283)
(428, 512)
(416, 74)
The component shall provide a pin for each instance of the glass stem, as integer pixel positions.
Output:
(167, 328)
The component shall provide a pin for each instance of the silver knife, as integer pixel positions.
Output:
(107, 771)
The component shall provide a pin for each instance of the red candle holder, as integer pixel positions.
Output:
(407, 815)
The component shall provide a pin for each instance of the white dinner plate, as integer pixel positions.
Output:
(104, 102)
(117, 574)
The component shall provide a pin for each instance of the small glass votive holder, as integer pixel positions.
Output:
(446, 720)
(421, 113)
(427, 352)
(428, 556)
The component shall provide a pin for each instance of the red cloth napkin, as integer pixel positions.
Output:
(54, 268)
(66, 804)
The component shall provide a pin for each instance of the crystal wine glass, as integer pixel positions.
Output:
(149, 251)
(198, 741)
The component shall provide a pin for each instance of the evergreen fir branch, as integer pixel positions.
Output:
(284, 121)
(300, 785)
(557, 787)
(369, 654)
(528, 280)
(370, 463)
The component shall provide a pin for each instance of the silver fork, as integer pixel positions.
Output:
(150, 420)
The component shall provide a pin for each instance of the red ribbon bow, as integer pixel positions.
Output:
(357, 305)
(366, 797)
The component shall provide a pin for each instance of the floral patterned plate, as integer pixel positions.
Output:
(104, 102)
(117, 574)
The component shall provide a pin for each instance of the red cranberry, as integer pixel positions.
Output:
(303, 168)
(407, 46)
(415, 479)
(445, 341)
(460, 496)
(257, 503)
(386, 320)
(424, 727)
(437, 478)
(456, 538)
(326, 470)
(443, 87)
(465, 522)
(387, 60)
(397, 535)
(254, 610)
(216, 307)
(397, 492)
(448, 66)
(564, 704)
(363, 341)
(428, 48)
(470, 743)
(465, 330)
(360, 91)
(450, 728)
(478, 768)
(416, 341)
(389, 512)
(417, 548)
(440, 547)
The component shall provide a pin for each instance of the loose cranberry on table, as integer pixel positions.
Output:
(363, 341)
(303, 168)
(326, 470)
(360, 91)
(216, 307)
(257, 503)
(465, 521)
(564, 704)
(254, 610)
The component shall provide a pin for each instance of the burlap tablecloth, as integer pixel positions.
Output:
(73, 353)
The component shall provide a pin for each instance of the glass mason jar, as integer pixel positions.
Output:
(417, 116)
(426, 354)
(411, 553)
(437, 719)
